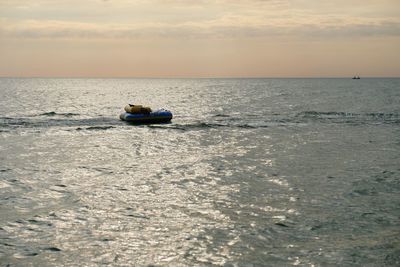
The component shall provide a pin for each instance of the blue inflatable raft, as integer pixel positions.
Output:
(158, 116)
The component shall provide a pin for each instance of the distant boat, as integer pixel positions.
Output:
(356, 78)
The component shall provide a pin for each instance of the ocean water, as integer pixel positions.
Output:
(250, 172)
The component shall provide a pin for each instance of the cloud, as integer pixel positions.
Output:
(194, 19)
(229, 26)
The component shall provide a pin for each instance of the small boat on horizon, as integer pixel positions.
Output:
(356, 78)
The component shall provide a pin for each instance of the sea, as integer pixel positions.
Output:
(250, 172)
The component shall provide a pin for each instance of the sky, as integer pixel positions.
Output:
(199, 38)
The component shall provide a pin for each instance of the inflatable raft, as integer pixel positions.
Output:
(139, 114)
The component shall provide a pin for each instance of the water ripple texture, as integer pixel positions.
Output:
(250, 172)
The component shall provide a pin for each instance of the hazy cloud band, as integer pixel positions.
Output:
(224, 28)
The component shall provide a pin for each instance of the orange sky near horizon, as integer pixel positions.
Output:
(203, 38)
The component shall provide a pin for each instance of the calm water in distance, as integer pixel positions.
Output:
(251, 172)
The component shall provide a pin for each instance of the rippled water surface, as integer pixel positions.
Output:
(251, 172)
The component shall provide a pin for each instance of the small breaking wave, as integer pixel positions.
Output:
(95, 128)
(53, 113)
(349, 117)
(206, 125)
(185, 127)
(222, 115)
(101, 123)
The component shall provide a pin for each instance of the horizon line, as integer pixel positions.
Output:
(194, 77)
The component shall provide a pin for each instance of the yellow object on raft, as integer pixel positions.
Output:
(137, 109)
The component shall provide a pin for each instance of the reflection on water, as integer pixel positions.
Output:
(250, 172)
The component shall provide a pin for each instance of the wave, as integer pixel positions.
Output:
(95, 128)
(347, 114)
(206, 125)
(184, 127)
(222, 115)
(8, 123)
(53, 113)
(349, 117)
(243, 121)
